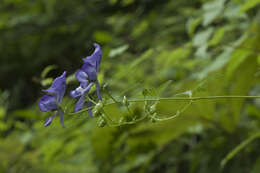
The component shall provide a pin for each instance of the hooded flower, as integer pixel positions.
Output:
(92, 62)
(87, 76)
(51, 101)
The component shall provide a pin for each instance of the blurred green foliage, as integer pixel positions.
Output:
(167, 47)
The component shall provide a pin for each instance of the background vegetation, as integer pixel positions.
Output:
(160, 47)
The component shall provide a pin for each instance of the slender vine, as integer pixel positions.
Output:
(104, 119)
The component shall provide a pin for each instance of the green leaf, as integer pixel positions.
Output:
(140, 28)
(118, 51)
(237, 58)
(218, 36)
(127, 2)
(212, 11)
(249, 4)
(192, 25)
(168, 58)
(46, 81)
(252, 110)
(27, 114)
(232, 12)
(241, 83)
(218, 63)
(202, 37)
(102, 36)
(240, 147)
(147, 54)
(47, 70)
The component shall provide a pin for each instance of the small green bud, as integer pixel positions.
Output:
(99, 105)
(121, 120)
(153, 108)
(104, 87)
(125, 101)
(96, 113)
(98, 109)
(101, 122)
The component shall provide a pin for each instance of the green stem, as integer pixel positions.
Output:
(194, 98)
(180, 99)
(128, 123)
(175, 115)
(111, 97)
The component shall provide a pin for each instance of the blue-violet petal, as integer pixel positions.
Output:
(90, 70)
(82, 77)
(95, 57)
(98, 90)
(49, 120)
(48, 103)
(61, 119)
(58, 87)
(80, 103)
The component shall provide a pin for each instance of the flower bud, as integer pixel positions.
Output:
(99, 105)
(153, 108)
(125, 101)
(98, 109)
(121, 120)
(101, 122)
(104, 87)
(96, 113)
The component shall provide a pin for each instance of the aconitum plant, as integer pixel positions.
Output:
(87, 76)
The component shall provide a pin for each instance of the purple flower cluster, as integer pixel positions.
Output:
(87, 77)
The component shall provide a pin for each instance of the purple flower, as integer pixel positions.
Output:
(51, 101)
(87, 76)
(92, 62)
